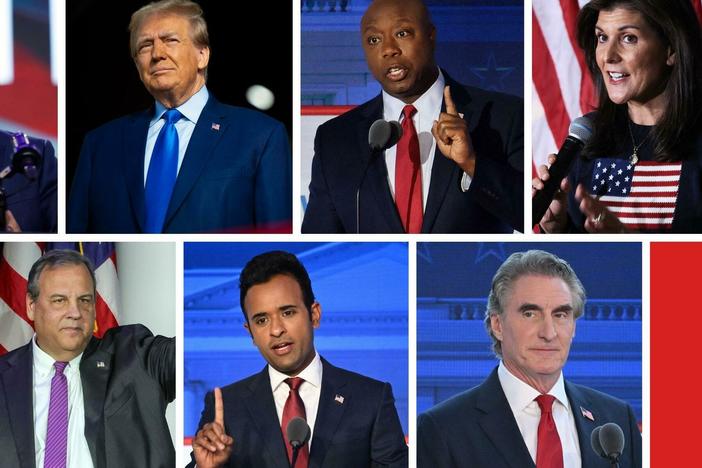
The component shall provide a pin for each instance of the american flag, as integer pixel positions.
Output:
(641, 195)
(562, 87)
(16, 259)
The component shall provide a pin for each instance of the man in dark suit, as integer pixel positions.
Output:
(190, 163)
(525, 414)
(353, 418)
(457, 167)
(68, 399)
(31, 204)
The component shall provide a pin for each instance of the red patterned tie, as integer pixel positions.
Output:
(294, 407)
(408, 175)
(549, 453)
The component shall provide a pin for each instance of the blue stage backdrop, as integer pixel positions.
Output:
(479, 43)
(362, 288)
(453, 349)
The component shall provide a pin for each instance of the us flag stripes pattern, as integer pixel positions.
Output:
(16, 259)
(562, 87)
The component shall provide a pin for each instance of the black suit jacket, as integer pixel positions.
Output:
(33, 203)
(477, 428)
(362, 431)
(128, 379)
(494, 202)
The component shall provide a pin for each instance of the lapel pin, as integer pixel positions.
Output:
(215, 126)
(100, 364)
(587, 414)
(339, 399)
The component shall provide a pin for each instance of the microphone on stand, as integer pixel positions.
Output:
(382, 135)
(298, 433)
(608, 442)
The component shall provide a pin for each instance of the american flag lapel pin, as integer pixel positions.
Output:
(339, 399)
(215, 126)
(587, 414)
(100, 364)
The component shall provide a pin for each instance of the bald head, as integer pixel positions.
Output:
(398, 40)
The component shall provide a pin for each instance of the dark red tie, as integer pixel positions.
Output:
(408, 175)
(549, 453)
(294, 407)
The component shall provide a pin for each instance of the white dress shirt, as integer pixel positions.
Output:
(191, 110)
(428, 107)
(310, 391)
(521, 398)
(78, 453)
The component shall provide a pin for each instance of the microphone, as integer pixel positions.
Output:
(579, 134)
(382, 135)
(26, 156)
(608, 442)
(298, 433)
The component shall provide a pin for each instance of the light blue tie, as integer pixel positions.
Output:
(163, 169)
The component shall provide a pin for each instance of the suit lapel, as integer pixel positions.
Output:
(133, 163)
(95, 369)
(499, 425)
(583, 425)
(445, 172)
(262, 410)
(377, 176)
(329, 413)
(211, 125)
(17, 382)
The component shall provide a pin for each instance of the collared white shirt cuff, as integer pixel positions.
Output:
(466, 181)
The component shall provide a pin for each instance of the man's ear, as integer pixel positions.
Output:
(316, 315)
(203, 57)
(496, 326)
(30, 307)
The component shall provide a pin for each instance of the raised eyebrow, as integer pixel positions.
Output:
(620, 28)
(563, 308)
(529, 306)
(287, 307)
(167, 34)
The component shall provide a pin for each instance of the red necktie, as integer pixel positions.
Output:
(294, 407)
(408, 176)
(549, 453)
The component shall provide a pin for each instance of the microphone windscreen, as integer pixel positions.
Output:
(383, 134)
(612, 440)
(298, 432)
(595, 441)
(581, 129)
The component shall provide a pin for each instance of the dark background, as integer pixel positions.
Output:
(250, 43)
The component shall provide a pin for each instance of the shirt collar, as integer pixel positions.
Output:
(191, 109)
(311, 374)
(520, 394)
(428, 103)
(44, 364)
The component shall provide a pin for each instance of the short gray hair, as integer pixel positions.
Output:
(531, 262)
(52, 259)
(185, 8)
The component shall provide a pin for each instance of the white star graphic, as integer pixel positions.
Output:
(619, 172)
(617, 183)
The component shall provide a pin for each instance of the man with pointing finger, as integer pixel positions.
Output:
(457, 168)
(352, 418)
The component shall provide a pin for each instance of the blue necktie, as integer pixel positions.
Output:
(163, 169)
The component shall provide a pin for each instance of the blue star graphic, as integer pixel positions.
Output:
(496, 249)
(424, 252)
(491, 76)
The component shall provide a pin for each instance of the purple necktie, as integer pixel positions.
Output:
(57, 428)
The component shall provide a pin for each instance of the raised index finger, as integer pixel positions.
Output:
(219, 407)
(450, 106)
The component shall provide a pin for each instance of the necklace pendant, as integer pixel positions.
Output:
(634, 158)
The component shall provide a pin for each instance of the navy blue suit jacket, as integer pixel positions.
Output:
(477, 428)
(235, 177)
(33, 203)
(128, 378)
(361, 431)
(494, 202)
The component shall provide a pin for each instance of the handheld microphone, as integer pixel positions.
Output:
(382, 135)
(608, 442)
(26, 156)
(579, 134)
(298, 433)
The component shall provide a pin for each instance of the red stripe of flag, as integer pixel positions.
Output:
(587, 88)
(638, 204)
(668, 183)
(13, 290)
(546, 83)
(104, 320)
(645, 215)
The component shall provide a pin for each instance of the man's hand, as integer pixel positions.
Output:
(11, 224)
(212, 446)
(452, 137)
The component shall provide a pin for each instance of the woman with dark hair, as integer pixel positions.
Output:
(641, 171)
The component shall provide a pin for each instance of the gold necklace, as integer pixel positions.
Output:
(634, 158)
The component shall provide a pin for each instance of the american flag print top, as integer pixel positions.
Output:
(641, 195)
